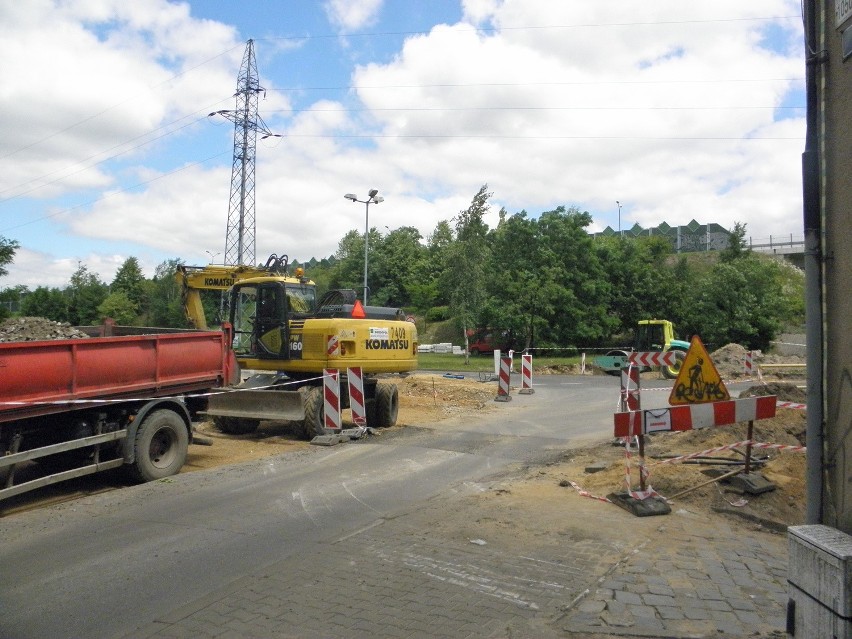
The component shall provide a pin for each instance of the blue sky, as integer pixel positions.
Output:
(678, 110)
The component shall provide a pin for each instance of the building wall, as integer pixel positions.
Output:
(836, 141)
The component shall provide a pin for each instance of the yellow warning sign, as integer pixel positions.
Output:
(698, 381)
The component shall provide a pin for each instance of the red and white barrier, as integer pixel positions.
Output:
(503, 380)
(653, 359)
(630, 391)
(331, 398)
(356, 396)
(332, 348)
(526, 375)
(748, 364)
(690, 416)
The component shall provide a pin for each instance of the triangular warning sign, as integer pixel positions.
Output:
(698, 381)
(358, 311)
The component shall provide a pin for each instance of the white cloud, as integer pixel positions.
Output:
(352, 14)
(654, 104)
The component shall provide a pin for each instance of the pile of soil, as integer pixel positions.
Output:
(783, 467)
(730, 362)
(783, 506)
(28, 329)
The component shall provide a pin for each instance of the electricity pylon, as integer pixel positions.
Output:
(240, 233)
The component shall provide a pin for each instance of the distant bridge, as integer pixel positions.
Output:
(790, 247)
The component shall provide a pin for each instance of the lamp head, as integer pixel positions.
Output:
(351, 196)
(373, 192)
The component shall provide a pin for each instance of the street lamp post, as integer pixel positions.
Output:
(373, 197)
(619, 216)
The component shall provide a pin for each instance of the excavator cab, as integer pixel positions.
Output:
(261, 313)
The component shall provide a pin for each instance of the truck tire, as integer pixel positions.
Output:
(236, 425)
(314, 423)
(387, 405)
(474, 352)
(671, 372)
(160, 447)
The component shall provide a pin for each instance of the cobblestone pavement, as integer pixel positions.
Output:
(692, 581)
(609, 574)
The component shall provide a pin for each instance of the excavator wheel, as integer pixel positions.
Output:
(671, 372)
(314, 423)
(236, 425)
(386, 405)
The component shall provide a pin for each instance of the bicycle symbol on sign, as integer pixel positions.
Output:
(699, 389)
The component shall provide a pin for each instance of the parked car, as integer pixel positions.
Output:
(490, 340)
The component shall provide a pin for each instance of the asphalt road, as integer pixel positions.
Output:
(109, 564)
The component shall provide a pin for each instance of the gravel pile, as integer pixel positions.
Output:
(28, 329)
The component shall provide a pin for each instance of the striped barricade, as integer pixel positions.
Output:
(690, 416)
(355, 379)
(526, 375)
(503, 380)
(331, 399)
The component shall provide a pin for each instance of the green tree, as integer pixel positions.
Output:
(640, 282)
(10, 300)
(166, 304)
(118, 306)
(348, 270)
(130, 281)
(85, 295)
(51, 303)
(7, 253)
(739, 302)
(397, 264)
(469, 256)
(737, 247)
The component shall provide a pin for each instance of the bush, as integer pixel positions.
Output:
(438, 314)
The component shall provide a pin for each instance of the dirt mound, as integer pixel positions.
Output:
(730, 362)
(28, 329)
(784, 391)
(781, 507)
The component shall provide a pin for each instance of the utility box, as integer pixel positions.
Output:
(820, 580)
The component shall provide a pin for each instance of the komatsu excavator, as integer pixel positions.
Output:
(284, 337)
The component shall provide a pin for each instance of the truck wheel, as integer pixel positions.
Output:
(314, 423)
(160, 447)
(671, 372)
(387, 405)
(236, 425)
(474, 352)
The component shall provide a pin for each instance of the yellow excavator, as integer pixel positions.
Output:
(284, 337)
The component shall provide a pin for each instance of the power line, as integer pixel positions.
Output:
(115, 192)
(580, 25)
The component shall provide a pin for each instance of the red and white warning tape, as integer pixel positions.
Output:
(586, 493)
(702, 453)
(65, 402)
(743, 444)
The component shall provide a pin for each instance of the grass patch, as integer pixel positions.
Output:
(482, 363)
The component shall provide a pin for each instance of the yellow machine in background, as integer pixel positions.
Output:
(288, 336)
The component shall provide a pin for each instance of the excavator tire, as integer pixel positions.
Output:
(236, 425)
(314, 413)
(387, 405)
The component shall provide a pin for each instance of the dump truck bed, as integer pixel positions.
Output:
(46, 377)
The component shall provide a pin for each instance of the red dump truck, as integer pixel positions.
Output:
(127, 397)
